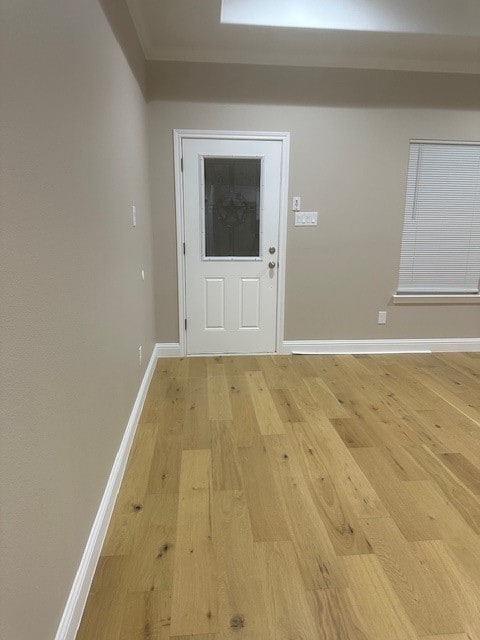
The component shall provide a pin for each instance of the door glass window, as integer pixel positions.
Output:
(232, 207)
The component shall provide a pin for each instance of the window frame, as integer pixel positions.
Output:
(431, 297)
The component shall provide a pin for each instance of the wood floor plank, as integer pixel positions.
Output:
(398, 496)
(334, 616)
(269, 421)
(427, 602)
(146, 616)
(150, 563)
(456, 492)
(102, 619)
(343, 526)
(194, 597)
(331, 407)
(463, 470)
(238, 365)
(241, 604)
(444, 435)
(374, 602)
(447, 636)
(343, 468)
(129, 504)
(316, 555)
(164, 476)
(226, 470)
(289, 614)
(264, 504)
(244, 424)
(278, 372)
(197, 636)
(218, 397)
(443, 388)
(464, 597)
(286, 405)
(463, 542)
(196, 432)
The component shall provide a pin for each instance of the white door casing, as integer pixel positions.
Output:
(231, 294)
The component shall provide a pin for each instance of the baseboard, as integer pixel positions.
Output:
(72, 614)
(414, 345)
(168, 350)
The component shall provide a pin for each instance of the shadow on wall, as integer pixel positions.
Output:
(259, 84)
(118, 16)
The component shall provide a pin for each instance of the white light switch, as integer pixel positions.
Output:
(296, 203)
(306, 218)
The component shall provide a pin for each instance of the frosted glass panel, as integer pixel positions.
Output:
(232, 207)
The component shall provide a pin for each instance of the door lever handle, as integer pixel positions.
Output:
(271, 265)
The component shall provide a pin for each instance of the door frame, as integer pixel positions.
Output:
(284, 137)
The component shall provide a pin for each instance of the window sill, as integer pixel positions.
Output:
(412, 299)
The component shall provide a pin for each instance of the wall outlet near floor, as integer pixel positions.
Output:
(134, 215)
(306, 218)
(382, 317)
(140, 354)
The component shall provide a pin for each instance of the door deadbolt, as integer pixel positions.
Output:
(271, 250)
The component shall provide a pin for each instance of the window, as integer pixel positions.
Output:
(441, 234)
(232, 207)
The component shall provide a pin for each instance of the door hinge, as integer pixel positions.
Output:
(181, 164)
(183, 248)
(185, 324)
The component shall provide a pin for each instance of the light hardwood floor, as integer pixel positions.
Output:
(298, 498)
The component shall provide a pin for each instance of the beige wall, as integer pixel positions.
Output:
(349, 151)
(73, 306)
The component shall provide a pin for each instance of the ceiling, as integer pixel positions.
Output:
(420, 35)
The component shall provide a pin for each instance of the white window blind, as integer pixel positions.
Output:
(441, 235)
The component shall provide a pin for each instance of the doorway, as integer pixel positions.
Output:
(231, 195)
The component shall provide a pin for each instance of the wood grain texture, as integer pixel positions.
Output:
(298, 498)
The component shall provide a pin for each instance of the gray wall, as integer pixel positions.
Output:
(349, 153)
(73, 306)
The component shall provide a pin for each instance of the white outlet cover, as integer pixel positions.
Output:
(382, 317)
(306, 218)
(134, 215)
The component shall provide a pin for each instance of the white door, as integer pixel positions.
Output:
(231, 192)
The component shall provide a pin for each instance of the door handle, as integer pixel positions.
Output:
(271, 265)
(271, 250)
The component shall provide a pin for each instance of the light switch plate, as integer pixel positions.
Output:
(296, 203)
(306, 218)
(382, 317)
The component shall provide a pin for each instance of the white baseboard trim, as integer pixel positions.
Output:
(414, 345)
(76, 601)
(168, 350)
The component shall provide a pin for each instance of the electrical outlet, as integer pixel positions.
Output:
(143, 275)
(296, 203)
(140, 354)
(382, 317)
(134, 215)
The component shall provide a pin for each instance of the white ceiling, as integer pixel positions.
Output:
(190, 30)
